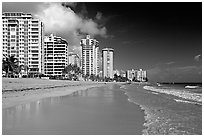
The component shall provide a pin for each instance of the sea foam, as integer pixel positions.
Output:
(176, 92)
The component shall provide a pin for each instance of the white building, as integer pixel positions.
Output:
(90, 56)
(23, 38)
(141, 75)
(74, 59)
(131, 74)
(107, 62)
(55, 55)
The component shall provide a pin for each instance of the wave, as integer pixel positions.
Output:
(155, 93)
(176, 92)
(185, 101)
(192, 87)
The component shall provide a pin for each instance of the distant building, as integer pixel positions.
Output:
(55, 55)
(107, 62)
(141, 75)
(74, 59)
(131, 74)
(22, 37)
(90, 56)
(122, 73)
(117, 72)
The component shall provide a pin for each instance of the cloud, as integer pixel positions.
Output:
(98, 15)
(170, 63)
(60, 19)
(197, 57)
(69, 4)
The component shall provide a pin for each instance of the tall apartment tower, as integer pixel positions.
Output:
(107, 62)
(55, 55)
(23, 38)
(90, 56)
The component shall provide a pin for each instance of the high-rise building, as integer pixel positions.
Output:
(107, 62)
(74, 59)
(55, 55)
(90, 56)
(23, 38)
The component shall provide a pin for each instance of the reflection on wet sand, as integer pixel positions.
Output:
(102, 110)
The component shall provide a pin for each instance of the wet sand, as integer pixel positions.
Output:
(164, 115)
(21, 91)
(96, 111)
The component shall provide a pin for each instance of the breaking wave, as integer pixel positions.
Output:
(177, 92)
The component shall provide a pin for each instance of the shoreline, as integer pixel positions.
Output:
(105, 109)
(25, 90)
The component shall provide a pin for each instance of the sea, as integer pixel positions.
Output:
(128, 109)
(170, 108)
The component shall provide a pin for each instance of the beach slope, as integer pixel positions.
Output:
(20, 91)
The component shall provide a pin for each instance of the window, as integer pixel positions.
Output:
(12, 29)
(12, 40)
(12, 36)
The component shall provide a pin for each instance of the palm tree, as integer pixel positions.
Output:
(72, 71)
(10, 64)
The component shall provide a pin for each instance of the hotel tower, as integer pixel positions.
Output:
(23, 38)
(55, 55)
(107, 62)
(90, 56)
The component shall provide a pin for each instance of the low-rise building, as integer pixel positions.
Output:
(131, 74)
(142, 75)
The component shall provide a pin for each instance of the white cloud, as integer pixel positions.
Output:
(63, 21)
(98, 15)
(197, 57)
(169, 63)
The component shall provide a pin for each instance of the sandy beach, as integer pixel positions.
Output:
(103, 110)
(21, 91)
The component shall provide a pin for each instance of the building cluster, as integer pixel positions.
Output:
(137, 75)
(23, 38)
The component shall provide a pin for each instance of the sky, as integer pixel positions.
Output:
(161, 37)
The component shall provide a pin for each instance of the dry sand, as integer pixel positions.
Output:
(19, 91)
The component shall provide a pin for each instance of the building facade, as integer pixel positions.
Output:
(74, 59)
(137, 75)
(90, 56)
(55, 55)
(131, 74)
(142, 75)
(107, 62)
(23, 38)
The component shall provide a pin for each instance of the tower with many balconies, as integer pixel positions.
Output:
(23, 38)
(90, 56)
(55, 55)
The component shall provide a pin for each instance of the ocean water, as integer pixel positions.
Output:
(170, 109)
